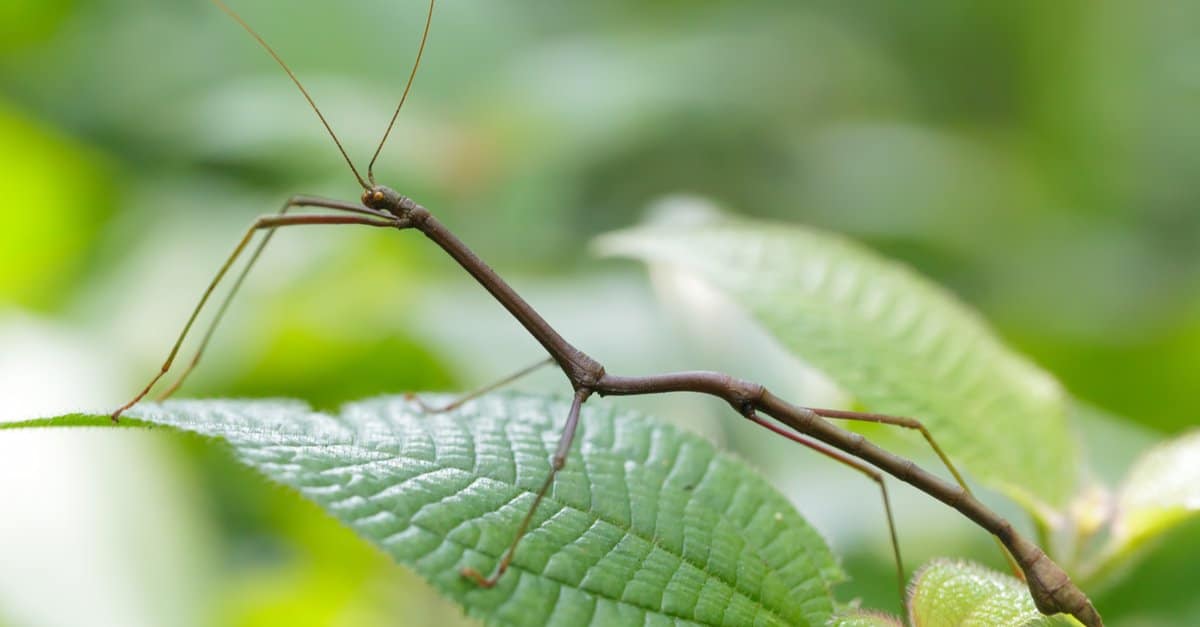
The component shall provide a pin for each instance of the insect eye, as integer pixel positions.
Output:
(377, 196)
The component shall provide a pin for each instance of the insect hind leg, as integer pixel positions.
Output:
(917, 425)
(870, 472)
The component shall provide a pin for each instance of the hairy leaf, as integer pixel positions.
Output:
(864, 618)
(645, 525)
(895, 341)
(947, 592)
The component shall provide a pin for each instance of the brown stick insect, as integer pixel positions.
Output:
(380, 206)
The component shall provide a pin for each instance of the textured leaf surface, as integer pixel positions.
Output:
(646, 525)
(963, 594)
(1161, 491)
(864, 618)
(892, 339)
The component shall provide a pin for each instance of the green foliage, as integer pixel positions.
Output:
(898, 343)
(645, 525)
(1037, 159)
(865, 618)
(947, 592)
(951, 592)
(25, 22)
(901, 345)
(1161, 492)
(45, 230)
(284, 371)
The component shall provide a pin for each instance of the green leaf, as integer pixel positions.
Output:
(948, 592)
(1161, 491)
(645, 525)
(895, 341)
(864, 618)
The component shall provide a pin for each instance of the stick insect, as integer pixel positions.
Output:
(380, 206)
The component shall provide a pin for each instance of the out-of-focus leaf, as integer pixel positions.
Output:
(645, 525)
(1161, 491)
(25, 22)
(947, 592)
(54, 198)
(349, 367)
(1154, 590)
(897, 342)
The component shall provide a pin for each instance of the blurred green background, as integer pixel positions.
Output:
(1039, 159)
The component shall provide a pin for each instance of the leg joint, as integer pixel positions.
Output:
(745, 396)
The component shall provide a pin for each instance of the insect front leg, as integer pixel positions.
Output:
(294, 201)
(370, 217)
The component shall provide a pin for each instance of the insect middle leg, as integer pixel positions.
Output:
(558, 461)
(476, 393)
(368, 217)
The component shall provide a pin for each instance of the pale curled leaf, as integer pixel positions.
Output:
(895, 341)
(962, 594)
(645, 525)
(1162, 490)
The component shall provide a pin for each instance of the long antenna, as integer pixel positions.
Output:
(404, 96)
(237, 18)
